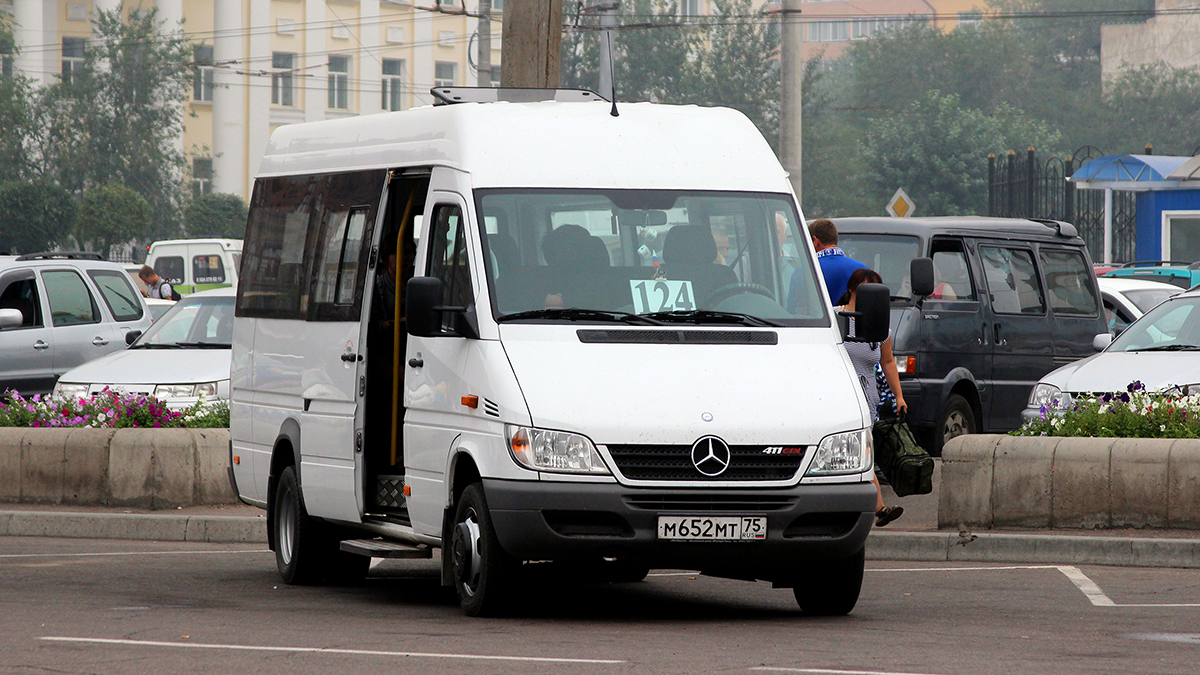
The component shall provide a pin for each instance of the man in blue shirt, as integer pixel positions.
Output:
(836, 266)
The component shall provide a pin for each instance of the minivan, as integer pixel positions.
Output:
(1013, 300)
(191, 265)
(539, 331)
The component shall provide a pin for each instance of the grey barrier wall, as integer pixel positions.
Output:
(1031, 481)
(145, 468)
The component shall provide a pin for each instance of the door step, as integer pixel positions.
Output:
(379, 548)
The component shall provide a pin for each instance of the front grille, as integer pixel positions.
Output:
(674, 462)
(705, 503)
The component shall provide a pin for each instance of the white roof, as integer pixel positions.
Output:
(1122, 284)
(224, 243)
(545, 144)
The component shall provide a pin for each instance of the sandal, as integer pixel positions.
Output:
(887, 514)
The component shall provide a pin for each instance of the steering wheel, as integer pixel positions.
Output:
(729, 290)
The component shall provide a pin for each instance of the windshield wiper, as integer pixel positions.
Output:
(711, 316)
(1169, 348)
(155, 345)
(204, 345)
(574, 314)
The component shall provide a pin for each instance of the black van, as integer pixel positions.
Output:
(1013, 300)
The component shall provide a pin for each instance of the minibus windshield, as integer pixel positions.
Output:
(647, 257)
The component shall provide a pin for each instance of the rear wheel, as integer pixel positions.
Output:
(831, 588)
(958, 418)
(483, 572)
(298, 540)
(625, 571)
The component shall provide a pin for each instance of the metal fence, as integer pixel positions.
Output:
(1026, 186)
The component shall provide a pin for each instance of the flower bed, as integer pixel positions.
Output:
(109, 409)
(1134, 413)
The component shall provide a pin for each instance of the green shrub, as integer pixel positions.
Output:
(1135, 413)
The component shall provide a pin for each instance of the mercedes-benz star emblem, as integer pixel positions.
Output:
(711, 456)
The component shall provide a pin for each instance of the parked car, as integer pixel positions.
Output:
(1013, 300)
(1181, 274)
(1161, 350)
(1126, 300)
(183, 356)
(58, 310)
(191, 265)
(158, 307)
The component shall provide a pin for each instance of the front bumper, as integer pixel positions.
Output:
(547, 520)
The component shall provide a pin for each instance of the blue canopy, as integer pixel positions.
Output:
(1130, 172)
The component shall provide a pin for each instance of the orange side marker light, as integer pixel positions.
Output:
(407, 491)
(237, 459)
(471, 401)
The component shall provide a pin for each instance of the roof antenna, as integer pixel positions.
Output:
(612, 74)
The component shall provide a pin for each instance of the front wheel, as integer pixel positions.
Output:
(483, 572)
(957, 418)
(831, 588)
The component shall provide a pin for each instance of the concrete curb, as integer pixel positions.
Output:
(1034, 548)
(881, 545)
(138, 526)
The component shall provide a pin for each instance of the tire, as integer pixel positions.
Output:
(623, 572)
(299, 541)
(483, 572)
(957, 418)
(832, 588)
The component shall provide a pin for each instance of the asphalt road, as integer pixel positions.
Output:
(91, 606)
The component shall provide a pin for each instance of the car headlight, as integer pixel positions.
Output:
(1045, 395)
(164, 391)
(845, 453)
(556, 451)
(70, 390)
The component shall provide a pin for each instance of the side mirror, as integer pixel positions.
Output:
(422, 295)
(920, 274)
(131, 336)
(10, 318)
(873, 313)
(1102, 341)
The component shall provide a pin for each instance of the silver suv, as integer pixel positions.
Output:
(59, 310)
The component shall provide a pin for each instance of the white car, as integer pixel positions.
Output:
(183, 356)
(1161, 350)
(1126, 300)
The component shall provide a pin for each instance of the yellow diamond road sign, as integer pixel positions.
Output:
(901, 205)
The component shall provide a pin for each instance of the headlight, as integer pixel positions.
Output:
(70, 390)
(1045, 395)
(206, 389)
(906, 365)
(844, 453)
(557, 451)
(164, 391)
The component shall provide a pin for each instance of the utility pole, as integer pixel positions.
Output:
(791, 79)
(608, 22)
(531, 43)
(484, 58)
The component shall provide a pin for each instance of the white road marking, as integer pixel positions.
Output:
(99, 555)
(325, 650)
(963, 569)
(673, 574)
(1086, 586)
(833, 671)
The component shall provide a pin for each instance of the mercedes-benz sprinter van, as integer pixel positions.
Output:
(539, 331)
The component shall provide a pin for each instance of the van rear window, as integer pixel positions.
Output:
(1070, 282)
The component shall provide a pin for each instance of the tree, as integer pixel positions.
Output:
(936, 148)
(216, 215)
(118, 117)
(16, 114)
(34, 216)
(111, 214)
(1152, 103)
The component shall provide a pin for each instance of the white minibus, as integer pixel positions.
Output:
(524, 332)
(192, 265)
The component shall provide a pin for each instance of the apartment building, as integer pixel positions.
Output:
(1171, 36)
(831, 25)
(260, 64)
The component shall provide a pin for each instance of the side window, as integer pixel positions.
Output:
(71, 302)
(275, 248)
(951, 275)
(208, 269)
(1117, 319)
(1012, 280)
(448, 259)
(341, 243)
(22, 294)
(1069, 282)
(120, 297)
(170, 268)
